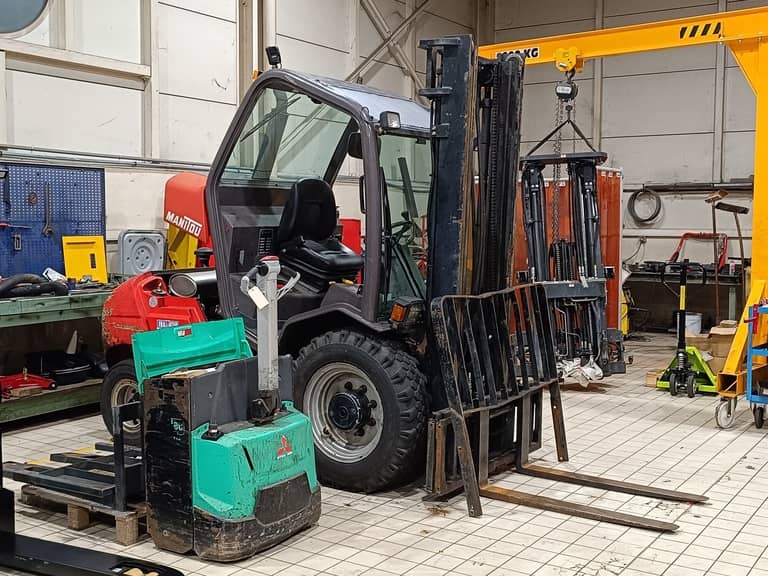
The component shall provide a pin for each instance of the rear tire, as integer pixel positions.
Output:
(120, 386)
(342, 374)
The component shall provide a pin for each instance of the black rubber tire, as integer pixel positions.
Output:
(673, 384)
(759, 413)
(401, 385)
(121, 371)
(690, 385)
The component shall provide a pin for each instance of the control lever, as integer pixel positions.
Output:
(260, 285)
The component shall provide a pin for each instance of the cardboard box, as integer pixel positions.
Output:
(723, 331)
(729, 324)
(701, 341)
(716, 364)
(720, 339)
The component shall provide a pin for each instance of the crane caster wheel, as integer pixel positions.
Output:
(725, 413)
(758, 412)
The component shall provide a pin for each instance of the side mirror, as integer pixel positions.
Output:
(355, 146)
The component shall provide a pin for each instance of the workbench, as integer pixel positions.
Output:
(650, 294)
(42, 310)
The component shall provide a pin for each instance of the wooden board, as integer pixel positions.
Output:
(63, 398)
(79, 512)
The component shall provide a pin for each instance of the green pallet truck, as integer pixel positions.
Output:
(229, 466)
(688, 370)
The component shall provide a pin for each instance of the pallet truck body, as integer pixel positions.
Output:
(688, 371)
(239, 460)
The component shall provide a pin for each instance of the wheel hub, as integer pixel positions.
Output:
(349, 410)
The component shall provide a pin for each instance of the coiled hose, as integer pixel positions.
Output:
(633, 200)
(21, 285)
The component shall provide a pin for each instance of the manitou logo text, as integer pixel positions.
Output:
(184, 222)
(532, 52)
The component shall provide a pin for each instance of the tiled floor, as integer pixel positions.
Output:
(619, 428)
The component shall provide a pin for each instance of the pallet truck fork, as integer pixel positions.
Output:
(38, 556)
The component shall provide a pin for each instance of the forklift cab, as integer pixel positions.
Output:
(288, 160)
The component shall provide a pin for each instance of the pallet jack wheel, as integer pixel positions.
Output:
(673, 384)
(690, 385)
(725, 413)
(758, 412)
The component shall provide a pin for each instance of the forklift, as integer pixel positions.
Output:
(436, 184)
(370, 364)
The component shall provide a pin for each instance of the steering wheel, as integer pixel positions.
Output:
(400, 229)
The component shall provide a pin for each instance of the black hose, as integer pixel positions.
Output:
(30, 285)
(633, 200)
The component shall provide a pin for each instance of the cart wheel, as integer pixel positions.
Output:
(759, 414)
(52, 386)
(690, 385)
(673, 384)
(725, 413)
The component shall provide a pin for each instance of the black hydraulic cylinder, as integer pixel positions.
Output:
(534, 212)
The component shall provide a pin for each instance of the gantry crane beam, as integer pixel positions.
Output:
(745, 32)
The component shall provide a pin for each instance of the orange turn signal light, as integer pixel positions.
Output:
(398, 313)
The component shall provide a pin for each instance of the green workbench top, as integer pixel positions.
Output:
(44, 309)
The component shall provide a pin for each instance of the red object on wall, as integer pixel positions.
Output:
(352, 238)
(609, 187)
(351, 234)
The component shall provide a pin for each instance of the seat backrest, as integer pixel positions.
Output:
(310, 212)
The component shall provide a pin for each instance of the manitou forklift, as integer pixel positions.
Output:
(381, 365)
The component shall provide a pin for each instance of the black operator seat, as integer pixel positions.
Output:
(305, 235)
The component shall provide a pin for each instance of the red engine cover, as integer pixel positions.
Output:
(143, 303)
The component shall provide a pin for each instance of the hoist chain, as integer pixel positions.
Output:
(557, 146)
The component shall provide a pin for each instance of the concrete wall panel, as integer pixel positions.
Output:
(109, 28)
(674, 103)
(224, 9)
(192, 129)
(673, 158)
(194, 68)
(82, 116)
(322, 23)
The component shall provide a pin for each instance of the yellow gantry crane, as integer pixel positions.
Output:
(745, 32)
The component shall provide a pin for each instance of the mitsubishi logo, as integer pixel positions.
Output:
(285, 448)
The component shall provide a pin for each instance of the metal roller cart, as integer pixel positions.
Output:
(756, 385)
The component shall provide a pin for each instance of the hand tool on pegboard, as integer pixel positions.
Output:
(16, 238)
(48, 228)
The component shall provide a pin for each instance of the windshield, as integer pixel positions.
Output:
(287, 137)
(406, 169)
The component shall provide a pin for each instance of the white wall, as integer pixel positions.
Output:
(663, 119)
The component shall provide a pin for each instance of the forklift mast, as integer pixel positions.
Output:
(476, 109)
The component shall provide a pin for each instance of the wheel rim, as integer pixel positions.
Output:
(345, 410)
(725, 414)
(124, 392)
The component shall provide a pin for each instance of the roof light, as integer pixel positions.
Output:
(389, 120)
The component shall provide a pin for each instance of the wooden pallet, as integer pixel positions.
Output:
(79, 512)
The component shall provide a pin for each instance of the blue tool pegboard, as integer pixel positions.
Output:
(77, 209)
